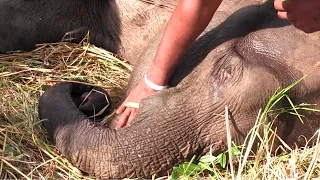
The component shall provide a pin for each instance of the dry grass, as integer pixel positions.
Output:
(25, 150)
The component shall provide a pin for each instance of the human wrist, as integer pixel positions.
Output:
(158, 75)
(152, 85)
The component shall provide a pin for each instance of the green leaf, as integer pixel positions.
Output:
(208, 159)
(190, 168)
(235, 151)
(205, 166)
(223, 160)
(175, 173)
(9, 149)
(294, 108)
(45, 87)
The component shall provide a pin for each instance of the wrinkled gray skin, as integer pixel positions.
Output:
(239, 63)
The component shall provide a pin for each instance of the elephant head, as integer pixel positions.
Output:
(239, 64)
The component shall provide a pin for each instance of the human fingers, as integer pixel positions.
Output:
(282, 5)
(132, 116)
(123, 119)
(292, 16)
(283, 15)
(278, 5)
(121, 108)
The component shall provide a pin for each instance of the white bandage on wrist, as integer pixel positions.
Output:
(152, 85)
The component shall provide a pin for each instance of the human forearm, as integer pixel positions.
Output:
(187, 22)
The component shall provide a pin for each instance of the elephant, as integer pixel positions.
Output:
(112, 24)
(245, 55)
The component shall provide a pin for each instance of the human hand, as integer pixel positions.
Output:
(138, 93)
(304, 14)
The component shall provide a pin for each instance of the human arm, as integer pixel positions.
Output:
(304, 14)
(187, 22)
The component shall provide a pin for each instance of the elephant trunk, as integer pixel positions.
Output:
(131, 152)
(150, 146)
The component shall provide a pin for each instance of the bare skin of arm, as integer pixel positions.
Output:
(187, 22)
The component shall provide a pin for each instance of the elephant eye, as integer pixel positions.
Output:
(226, 74)
(229, 68)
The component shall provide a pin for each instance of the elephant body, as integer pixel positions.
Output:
(26, 23)
(112, 24)
(246, 54)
